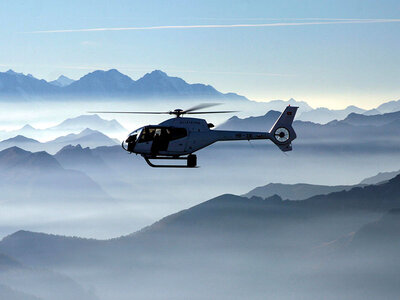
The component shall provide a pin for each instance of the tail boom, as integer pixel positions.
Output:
(281, 133)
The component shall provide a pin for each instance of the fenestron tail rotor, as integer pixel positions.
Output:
(177, 112)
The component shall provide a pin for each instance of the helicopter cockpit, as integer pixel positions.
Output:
(153, 138)
(130, 142)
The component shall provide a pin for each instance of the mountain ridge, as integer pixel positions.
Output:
(110, 83)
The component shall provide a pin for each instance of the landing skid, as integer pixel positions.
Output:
(191, 161)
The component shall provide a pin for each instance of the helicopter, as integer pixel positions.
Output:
(179, 137)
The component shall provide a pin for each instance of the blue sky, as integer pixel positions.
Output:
(353, 60)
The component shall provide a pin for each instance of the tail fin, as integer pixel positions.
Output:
(282, 133)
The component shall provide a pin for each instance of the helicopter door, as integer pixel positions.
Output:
(145, 140)
(177, 139)
(160, 140)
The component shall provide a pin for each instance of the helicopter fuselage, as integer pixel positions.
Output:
(181, 136)
(178, 138)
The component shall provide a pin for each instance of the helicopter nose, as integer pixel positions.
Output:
(128, 144)
(124, 145)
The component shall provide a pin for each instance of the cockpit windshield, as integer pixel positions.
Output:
(134, 135)
(136, 132)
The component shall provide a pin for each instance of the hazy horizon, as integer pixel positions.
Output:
(328, 54)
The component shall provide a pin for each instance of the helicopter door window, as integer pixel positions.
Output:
(177, 133)
(147, 135)
(157, 132)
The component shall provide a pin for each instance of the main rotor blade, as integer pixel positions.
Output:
(130, 112)
(200, 106)
(212, 112)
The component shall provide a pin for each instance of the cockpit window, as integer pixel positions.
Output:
(131, 138)
(168, 133)
(133, 135)
(147, 135)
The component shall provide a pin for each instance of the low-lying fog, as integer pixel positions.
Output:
(344, 245)
(139, 195)
(43, 114)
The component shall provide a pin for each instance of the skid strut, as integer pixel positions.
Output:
(191, 161)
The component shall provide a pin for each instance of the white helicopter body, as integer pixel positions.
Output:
(180, 137)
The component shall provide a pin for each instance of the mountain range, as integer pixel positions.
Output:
(89, 121)
(380, 177)
(21, 282)
(323, 115)
(265, 245)
(298, 191)
(156, 85)
(108, 84)
(62, 81)
(27, 176)
(71, 125)
(365, 133)
(86, 138)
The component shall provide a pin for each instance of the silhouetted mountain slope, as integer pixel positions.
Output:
(352, 121)
(372, 197)
(371, 112)
(335, 135)
(20, 85)
(372, 120)
(93, 122)
(371, 253)
(299, 191)
(103, 83)
(245, 238)
(86, 161)
(11, 157)
(233, 214)
(22, 142)
(120, 164)
(51, 246)
(8, 293)
(389, 107)
(323, 115)
(112, 153)
(228, 215)
(111, 83)
(380, 236)
(87, 138)
(263, 123)
(62, 81)
(72, 125)
(159, 83)
(18, 281)
(74, 155)
(279, 105)
(27, 176)
(8, 263)
(20, 139)
(380, 178)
